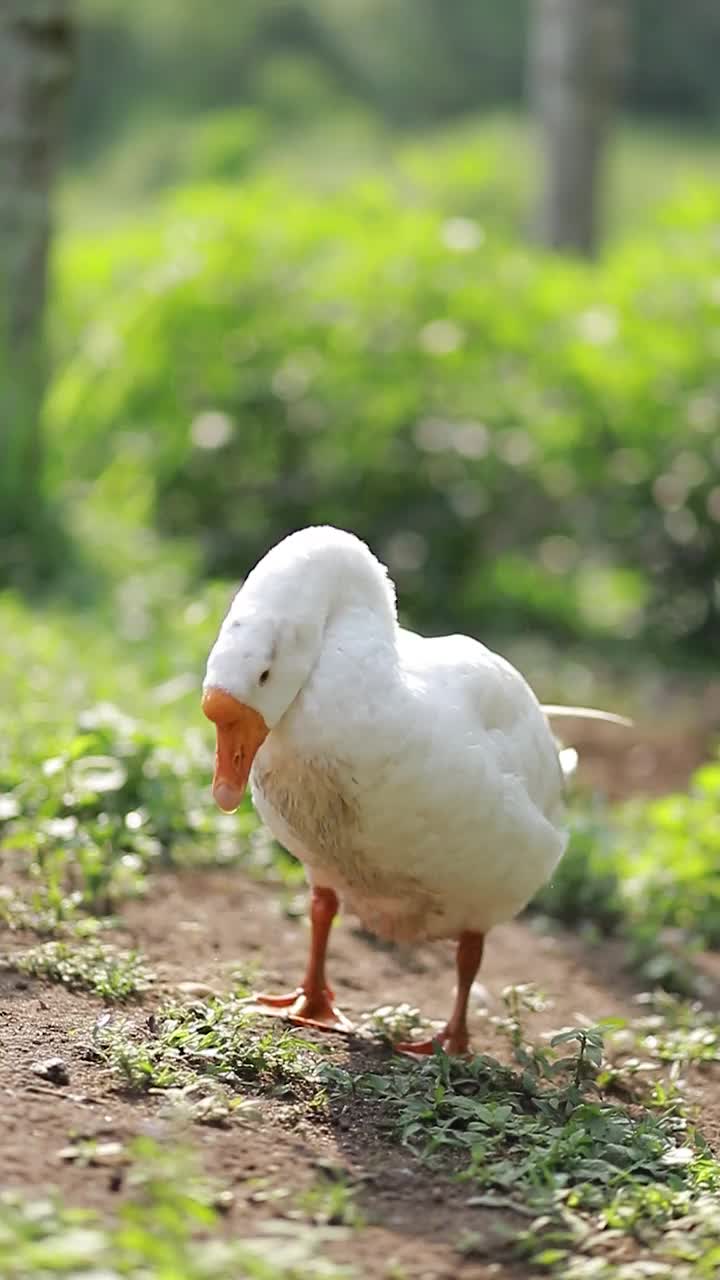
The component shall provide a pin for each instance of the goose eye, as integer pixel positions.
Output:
(265, 676)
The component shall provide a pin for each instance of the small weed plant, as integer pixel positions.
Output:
(331, 1201)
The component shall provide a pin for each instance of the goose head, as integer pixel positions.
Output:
(273, 636)
(255, 670)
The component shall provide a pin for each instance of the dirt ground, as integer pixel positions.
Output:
(200, 928)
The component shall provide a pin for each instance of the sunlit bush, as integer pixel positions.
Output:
(649, 873)
(526, 441)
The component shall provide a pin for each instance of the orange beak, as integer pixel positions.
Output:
(240, 734)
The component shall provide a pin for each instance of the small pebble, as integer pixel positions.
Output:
(330, 1169)
(52, 1069)
(99, 1154)
(224, 1201)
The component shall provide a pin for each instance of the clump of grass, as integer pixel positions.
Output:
(543, 1135)
(206, 1101)
(653, 1231)
(332, 1201)
(532, 1131)
(167, 1225)
(391, 1023)
(679, 1032)
(42, 911)
(99, 967)
(214, 1041)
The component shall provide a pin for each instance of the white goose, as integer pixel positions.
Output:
(417, 779)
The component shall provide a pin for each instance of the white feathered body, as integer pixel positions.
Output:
(416, 777)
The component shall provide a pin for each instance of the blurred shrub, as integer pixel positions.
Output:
(411, 61)
(294, 89)
(425, 59)
(525, 440)
(216, 146)
(648, 873)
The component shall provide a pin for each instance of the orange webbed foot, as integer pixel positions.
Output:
(316, 1010)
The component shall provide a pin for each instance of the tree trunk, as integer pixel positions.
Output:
(35, 67)
(575, 61)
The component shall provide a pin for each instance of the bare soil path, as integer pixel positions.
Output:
(204, 927)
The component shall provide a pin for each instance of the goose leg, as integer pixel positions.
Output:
(454, 1038)
(312, 1003)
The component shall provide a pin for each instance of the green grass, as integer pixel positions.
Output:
(675, 1031)
(546, 1138)
(535, 1130)
(331, 1201)
(390, 1023)
(613, 1188)
(553, 1132)
(190, 1044)
(94, 966)
(167, 1227)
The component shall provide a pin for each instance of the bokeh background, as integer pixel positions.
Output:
(447, 274)
(443, 272)
(297, 278)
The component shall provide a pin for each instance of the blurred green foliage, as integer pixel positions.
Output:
(648, 872)
(167, 1225)
(414, 61)
(526, 441)
(97, 795)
